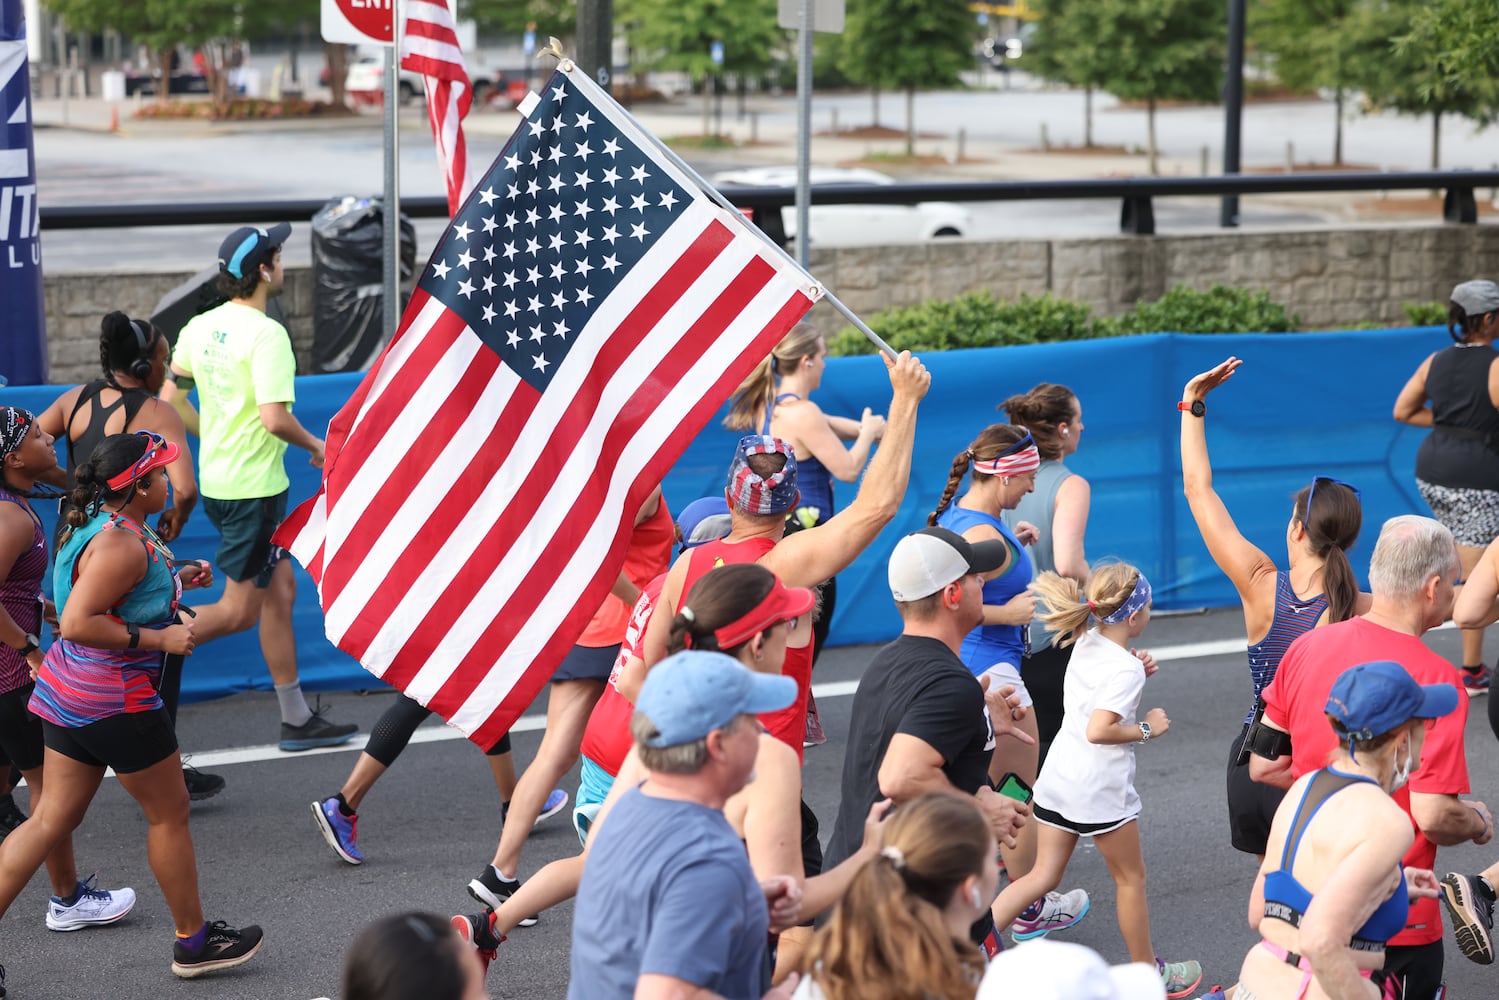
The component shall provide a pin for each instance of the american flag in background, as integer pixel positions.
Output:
(429, 46)
(583, 317)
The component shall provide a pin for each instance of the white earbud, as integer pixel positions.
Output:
(978, 900)
(1065, 432)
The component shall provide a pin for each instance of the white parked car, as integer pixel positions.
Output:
(854, 225)
(365, 82)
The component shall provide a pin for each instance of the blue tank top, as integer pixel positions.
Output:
(1287, 899)
(990, 644)
(154, 599)
(1293, 619)
(812, 477)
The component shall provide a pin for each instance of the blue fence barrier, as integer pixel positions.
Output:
(1302, 405)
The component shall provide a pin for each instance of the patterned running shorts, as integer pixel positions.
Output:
(1471, 515)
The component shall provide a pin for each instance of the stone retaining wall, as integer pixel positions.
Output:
(1330, 277)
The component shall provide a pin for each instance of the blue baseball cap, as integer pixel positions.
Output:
(704, 520)
(691, 693)
(752, 494)
(1372, 699)
(247, 247)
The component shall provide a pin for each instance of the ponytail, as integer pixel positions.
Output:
(1339, 584)
(1331, 530)
(960, 464)
(1069, 608)
(753, 399)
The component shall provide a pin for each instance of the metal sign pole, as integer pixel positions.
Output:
(391, 207)
(804, 135)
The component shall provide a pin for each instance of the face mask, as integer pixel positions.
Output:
(1402, 771)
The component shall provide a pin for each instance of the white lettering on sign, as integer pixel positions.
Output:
(18, 200)
(16, 263)
(371, 4)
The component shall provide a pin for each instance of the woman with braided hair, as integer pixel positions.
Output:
(118, 598)
(1003, 461)
(901, 929)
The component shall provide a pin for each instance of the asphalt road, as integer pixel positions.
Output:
(431, 824)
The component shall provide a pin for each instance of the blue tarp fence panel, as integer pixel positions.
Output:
(1303, 405)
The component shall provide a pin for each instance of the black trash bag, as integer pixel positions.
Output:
(348, 294)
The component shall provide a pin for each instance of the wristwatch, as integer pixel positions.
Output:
(32, 645)
(1196, 407)
(1144, 732)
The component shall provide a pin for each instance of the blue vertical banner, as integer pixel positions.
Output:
(23, 318)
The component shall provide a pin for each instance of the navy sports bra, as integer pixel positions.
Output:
(1287, 899)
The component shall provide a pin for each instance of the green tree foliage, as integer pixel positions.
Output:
(160, 25)
(908, 45)
(1156, 50)
(1466, 34)
(669, 34)
(1408, 70)
(557, 18)
(1063, 49)
(1314, 47)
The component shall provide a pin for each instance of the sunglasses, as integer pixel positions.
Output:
(1328, 480)
(155, 445)
(1018, 446)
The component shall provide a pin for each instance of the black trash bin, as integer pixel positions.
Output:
(348, 294)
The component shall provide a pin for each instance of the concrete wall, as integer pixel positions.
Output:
(1331, 278)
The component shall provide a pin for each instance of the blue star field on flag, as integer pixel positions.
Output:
(568, 208)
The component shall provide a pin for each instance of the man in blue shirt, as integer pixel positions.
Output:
(669, 905)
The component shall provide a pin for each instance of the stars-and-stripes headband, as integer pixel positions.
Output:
(1137, 599)
(1018, 459)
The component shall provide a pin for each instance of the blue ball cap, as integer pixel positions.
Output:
(245, 249)
(1372, 699)
(704, 520)
(691, 693)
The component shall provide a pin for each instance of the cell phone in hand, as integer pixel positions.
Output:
(1012, 787)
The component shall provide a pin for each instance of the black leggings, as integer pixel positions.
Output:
(1043, 673)
(1494, 716)
(394, 728)
(828, 595)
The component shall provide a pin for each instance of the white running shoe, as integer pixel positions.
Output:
(1053, 912)
(93, 908)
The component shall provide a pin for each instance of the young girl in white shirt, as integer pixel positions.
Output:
(1087, 785)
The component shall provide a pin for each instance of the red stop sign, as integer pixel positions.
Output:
(370, 17)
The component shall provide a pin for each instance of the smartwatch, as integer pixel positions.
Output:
(1144, 732)
(1196, 407)
(32, 645)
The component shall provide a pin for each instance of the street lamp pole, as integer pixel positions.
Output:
(1233, 108)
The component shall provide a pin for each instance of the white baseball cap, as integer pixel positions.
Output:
(1057, 970)
(927, 560)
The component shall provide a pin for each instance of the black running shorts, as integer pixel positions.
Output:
(129, 742)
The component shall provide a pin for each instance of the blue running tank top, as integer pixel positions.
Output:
(990, 644)
(813, 479)
(1293, 619)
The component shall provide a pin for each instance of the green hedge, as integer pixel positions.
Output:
(977, 320)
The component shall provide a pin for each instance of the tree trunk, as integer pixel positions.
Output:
(1088, 117)
(707, 104)
(1150, 135)
(164, 85)
(1337, 129)
(911, 120)
(1436, 140)
(336, 57)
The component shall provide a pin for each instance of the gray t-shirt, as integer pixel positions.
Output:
(668, 890)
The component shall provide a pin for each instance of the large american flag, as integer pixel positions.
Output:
(583, 317)
(429, 46)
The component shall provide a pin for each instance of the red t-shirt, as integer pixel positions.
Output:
(1296, 700)
(647, 557)
(789, 725)
(606, 740)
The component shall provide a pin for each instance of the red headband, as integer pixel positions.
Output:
(780, 604)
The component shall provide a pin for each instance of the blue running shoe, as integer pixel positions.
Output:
(555, 803)
(338, 830)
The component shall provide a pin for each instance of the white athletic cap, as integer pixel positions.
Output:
(927, 560)
(1058, 970)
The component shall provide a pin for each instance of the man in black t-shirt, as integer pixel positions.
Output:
(920, 722)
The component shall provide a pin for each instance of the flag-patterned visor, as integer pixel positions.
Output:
(752, 493)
